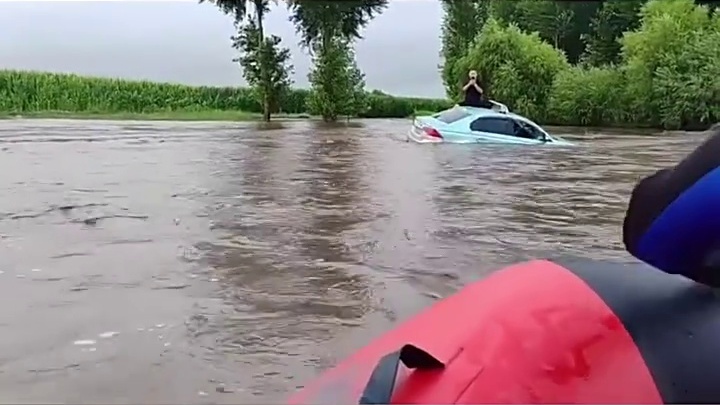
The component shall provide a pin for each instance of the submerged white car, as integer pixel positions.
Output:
(480, 125)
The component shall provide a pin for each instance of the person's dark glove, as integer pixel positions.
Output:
(673, 218)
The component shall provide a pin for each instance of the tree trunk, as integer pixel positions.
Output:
(326, 37)
(260, 18)
(266, 108)
(263, 60)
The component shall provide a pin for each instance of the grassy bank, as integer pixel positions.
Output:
(178, 115)
(49, 95)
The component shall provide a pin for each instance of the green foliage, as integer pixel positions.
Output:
(328, 29)
(236, 8)
(314, 19)
(647, 63)
(672, 64)
(37, 92)
(381, 105)
(505, 11)
(462, 21)
(651, 62)
(265, 66)
(564, 24)
(613, 19)
(552, 20)
(575, 42)
(337, 85)
(358, 100)
(587, 96)
(516, 68)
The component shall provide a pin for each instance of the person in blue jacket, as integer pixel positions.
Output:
(673, 218)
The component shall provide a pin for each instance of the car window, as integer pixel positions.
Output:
(452, 115)
(532, 130)
(494, 125)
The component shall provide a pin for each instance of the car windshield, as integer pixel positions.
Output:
(452, 115)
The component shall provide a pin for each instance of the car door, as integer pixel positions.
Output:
(493, 126)
(503, 129)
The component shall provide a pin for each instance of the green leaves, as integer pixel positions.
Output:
(673, 64)
(564, 24)
(588, 96)
(316, 18)
(265, 65)
(337, 85)
(613, 19)
(239, 8)
(667, 73)
(462, 21)
(328, 29)
(236, 8)
(517, 69)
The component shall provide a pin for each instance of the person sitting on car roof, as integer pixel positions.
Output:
(474, 94)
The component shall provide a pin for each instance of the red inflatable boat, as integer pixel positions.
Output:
(544, 332)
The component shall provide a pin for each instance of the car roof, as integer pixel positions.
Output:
(476, 112)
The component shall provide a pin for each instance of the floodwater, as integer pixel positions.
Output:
(218, 263)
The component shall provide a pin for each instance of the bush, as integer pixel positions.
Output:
(517, 69)
(24, 92)
(381, 105)
(672, 64)
(668, 75)
(588, 96)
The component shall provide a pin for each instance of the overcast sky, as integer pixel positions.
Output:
(186, 42)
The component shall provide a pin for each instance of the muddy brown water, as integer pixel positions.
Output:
(219, 263)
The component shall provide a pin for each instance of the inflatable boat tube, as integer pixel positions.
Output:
(673, 219)
(544, 332)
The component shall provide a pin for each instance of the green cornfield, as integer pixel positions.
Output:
(32, 92)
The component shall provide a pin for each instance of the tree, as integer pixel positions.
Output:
(673, 64)
(517, 68)
(462, 21)
(575, 41)
(318, 19)
(504, 11)
(265, 66)
(338, 86)
(614, 18)
(551, 19)
(239, 10)
(358, 101)
(565, 24)
(328, 30)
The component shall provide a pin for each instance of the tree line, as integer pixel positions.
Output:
(611, 62)
(328, 30)
(598, 62)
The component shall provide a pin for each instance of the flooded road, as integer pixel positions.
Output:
(216, 263)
